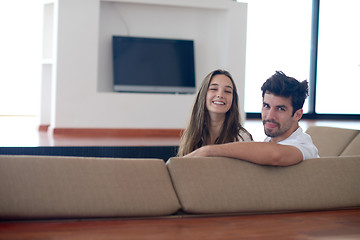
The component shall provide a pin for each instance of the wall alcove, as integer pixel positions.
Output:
(77, 69)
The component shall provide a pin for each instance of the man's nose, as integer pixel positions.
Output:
(271, 113)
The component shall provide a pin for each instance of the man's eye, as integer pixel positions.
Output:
(282, 109)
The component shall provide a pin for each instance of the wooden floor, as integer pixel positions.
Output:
(326, 225)
(23, 131)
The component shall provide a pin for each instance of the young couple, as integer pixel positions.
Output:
(214, 128)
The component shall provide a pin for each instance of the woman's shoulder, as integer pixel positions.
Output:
(245, 136)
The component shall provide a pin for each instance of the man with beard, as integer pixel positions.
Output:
(286, 143)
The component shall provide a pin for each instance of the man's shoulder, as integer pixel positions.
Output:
(303, 142)
(299, 134)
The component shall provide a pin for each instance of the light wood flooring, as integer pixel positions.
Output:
(22, 131)
(322, 225)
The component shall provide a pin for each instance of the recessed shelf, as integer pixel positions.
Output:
(209, 4)
(48, 1)
(47, 61)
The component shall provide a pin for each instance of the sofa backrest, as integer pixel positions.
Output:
(223, 185)
(74, 187)
(332, 141)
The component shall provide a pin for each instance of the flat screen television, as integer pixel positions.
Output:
(153, 65)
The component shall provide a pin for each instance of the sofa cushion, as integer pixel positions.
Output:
(331, 141)
(353, 148)
(68, 187)
(223, 185)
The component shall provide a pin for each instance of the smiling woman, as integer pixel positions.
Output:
(215, 117)
(219, 97)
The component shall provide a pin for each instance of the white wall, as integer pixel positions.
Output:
(81, 95)
(20, 50)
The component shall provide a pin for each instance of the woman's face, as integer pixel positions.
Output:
(219, 96)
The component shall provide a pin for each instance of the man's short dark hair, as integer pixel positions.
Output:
(281, 85)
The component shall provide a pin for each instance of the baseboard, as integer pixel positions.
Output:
(162, 152)
(122, 132)
(44, 127)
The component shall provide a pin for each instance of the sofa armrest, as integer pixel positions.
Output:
(331, 141)
(353, 148)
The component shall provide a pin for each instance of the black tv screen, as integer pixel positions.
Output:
(153, 65)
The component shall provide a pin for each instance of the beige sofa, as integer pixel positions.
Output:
(42, 187)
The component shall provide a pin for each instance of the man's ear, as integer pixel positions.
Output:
(298, 114)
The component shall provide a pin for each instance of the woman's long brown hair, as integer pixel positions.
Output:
(197, 131)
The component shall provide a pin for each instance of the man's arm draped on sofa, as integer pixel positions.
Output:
(286, 143)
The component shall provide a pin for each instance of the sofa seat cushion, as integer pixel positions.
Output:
(77, 187)
(331, 141)
(223, 185)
